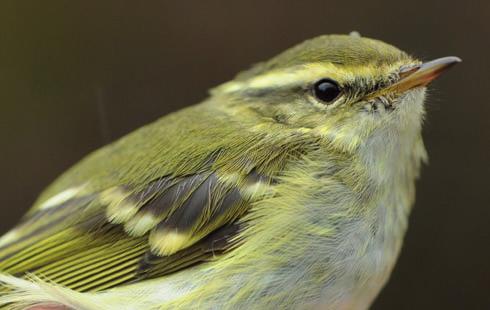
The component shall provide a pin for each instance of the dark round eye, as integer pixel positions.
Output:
(326, 90)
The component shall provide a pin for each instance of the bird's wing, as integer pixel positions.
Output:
(164, 198)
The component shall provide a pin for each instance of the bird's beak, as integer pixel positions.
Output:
(423, 74)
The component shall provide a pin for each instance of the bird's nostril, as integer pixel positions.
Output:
(407, 70)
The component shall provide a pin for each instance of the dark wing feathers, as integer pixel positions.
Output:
(219, 241)
(88, 250)
(150, 204)
(176, 211)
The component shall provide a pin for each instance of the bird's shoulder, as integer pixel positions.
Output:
(165, 197)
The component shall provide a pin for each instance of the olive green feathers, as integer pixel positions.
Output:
(289, 187)
(152, 194)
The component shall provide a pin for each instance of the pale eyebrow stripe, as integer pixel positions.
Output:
(292, 76)
(300, 75)
(278, 79)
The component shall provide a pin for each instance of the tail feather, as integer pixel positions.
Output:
(33, 293)
(17, 294)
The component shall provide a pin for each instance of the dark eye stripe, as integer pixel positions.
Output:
(362, 86)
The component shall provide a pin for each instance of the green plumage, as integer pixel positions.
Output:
(155, 162)
(260, 196)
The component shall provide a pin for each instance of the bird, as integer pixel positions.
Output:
(289, 186)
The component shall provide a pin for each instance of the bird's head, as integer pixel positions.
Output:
(342, 87)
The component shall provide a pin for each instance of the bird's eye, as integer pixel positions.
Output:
(326, 90)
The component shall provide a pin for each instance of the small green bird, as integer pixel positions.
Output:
(289, 187)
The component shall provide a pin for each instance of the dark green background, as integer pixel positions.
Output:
(75, 75)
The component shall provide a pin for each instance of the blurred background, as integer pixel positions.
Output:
(75, 75)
